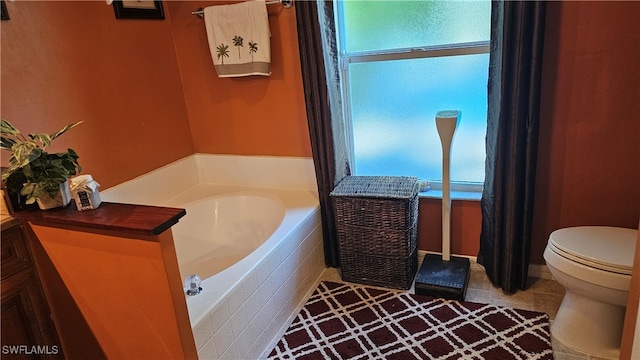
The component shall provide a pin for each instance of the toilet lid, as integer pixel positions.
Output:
(606, 248)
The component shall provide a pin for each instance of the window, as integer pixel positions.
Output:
(403, 61)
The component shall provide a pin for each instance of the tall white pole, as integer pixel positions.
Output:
(446, 122)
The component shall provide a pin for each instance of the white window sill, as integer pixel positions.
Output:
(455, 195)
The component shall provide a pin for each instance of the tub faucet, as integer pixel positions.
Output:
(192, 285)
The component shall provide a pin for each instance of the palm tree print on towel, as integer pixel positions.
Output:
(253, 48)
(223, 51)
(237, 42)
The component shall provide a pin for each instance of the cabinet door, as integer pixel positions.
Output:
(15, 252)
(26, 328)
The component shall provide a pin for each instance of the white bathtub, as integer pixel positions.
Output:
(251, 224)
(223, 229)
(258, 250)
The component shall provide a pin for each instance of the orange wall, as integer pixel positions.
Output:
(247, 116)
(589, 151)
(68, 61)
(148, 93)
(143, 87)
(466, 224)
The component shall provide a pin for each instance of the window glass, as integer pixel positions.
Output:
(377, 25)
(393, 106)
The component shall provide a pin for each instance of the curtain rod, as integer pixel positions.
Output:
(285, 3)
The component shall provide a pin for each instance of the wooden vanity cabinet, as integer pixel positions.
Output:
(27, 330)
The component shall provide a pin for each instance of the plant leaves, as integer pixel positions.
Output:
(30, 200)
(7, 129)
(25, 152)
(9, 132)
(6, 143)
(13, 167)
(45, 139)
(35, 172)
(27, 189)
(65, 129)
(6, 174)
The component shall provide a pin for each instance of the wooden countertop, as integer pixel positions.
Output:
(126, 218)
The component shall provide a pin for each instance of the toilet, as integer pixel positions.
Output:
(593, 263)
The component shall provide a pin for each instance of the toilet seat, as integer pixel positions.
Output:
(600, 247)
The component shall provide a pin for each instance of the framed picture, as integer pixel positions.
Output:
(3, 11)
(138, 9)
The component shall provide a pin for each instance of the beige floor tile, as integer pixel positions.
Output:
(523, 298)
(479, 280)
(548, 303)
(476, 280)
(478, 295)
(512, 304)
(331, 274)
(563, 356)
(546, 286)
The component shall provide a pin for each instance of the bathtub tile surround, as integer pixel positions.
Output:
(157, 186)
(160, 185)
(257, 171)
(245, 308)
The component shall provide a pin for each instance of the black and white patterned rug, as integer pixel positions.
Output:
(346, 321)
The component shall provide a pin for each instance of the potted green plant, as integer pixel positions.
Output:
(33, 174)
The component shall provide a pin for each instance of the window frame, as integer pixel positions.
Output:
(460, 190)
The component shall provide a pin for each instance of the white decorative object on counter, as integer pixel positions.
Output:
(85, 192)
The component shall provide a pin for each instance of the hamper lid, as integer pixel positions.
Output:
(398, 187)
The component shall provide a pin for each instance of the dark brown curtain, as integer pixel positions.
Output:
(318, 107)
(515, 68)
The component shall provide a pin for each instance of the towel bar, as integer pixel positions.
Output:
(285, 3)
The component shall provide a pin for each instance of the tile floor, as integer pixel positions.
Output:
(542, 295)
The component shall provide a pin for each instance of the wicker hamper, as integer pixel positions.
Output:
(376, 219)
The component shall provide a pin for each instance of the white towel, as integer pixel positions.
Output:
(239, 38)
